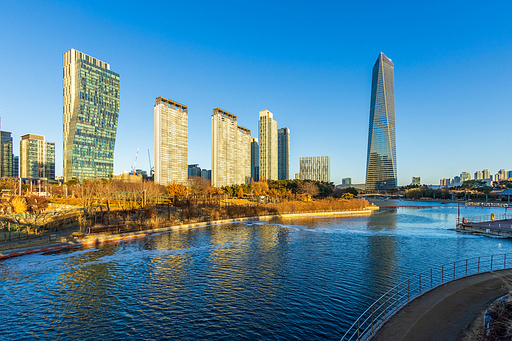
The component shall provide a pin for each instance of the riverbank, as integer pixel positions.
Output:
(98, 239)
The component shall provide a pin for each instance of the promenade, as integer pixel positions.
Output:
(446, 312)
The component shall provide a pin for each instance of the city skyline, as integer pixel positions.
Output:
(438, 99)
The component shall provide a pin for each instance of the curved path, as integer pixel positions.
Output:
(446, 312)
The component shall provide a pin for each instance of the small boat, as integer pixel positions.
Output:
(443, 203)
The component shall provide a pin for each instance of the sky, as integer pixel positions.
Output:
(308, 62)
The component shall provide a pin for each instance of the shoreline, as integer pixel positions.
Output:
(99, 239)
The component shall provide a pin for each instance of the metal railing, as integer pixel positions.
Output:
(487, 218)
(370, 321)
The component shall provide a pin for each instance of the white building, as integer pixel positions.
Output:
(231, 150)
(171, 142)
(316, 168)
(268, 146)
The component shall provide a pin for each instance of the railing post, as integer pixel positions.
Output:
(478, 268)
(491, 261)
(466, 267)
(453, 270)
(358, 336)
(442, 274)
(504, 261)
(430, 277)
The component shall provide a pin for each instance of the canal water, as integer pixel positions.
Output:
(299, 279)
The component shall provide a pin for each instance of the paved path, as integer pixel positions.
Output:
(445, 312)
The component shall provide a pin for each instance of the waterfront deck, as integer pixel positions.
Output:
(501, 227)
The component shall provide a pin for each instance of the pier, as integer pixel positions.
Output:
(502, 228)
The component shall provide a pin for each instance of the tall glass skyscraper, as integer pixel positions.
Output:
(6, 154)
(283, 154)
(91, 110)
(381, 170)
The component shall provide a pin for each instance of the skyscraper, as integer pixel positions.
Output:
(37, 157)
(283, 154)
(268, 145)
(231, 150)
(171, 142)
(255, 159)
(316, 168)
(6, 154)
(478, 175)
(486, 174)
(381, 172)
(91, 110)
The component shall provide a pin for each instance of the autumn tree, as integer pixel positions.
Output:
(176, 190)
(259, 188)
(308, 188)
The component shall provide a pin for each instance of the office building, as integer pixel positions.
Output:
(231, 150)
(381, 171)
(37, 158)
(194, 170)
(297, 176)
(6, 154)
(486, 174)
(15, 166)
(255, 159)
(479, 175)
(90, 113)
(465, 176)
(416, 181)
(206, 174)
(267, 134)
(509, 174)
(346, 181)
(316, 168)
(171, 142)
(503, 174)
(283, 154)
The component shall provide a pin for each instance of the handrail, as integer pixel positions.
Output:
(372, 319)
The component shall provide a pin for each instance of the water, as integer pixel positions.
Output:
(287, 279)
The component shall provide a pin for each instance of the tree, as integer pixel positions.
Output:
(176, 190)
(240, 193)
(259, 188)
(309, 188)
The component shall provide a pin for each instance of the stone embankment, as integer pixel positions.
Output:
(98, 239)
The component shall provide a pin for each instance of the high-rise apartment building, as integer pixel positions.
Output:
(479, 175)
(509, 174)
(194, 170)
(231, 150)
(267, 132)
(416, 181)
(503, 174)
(255, 159)
(171, 142)
(283, 154)
(6, 154)
(346, 181)
(91, 110)
(37, 157)
(316, 168)
(381, 171)
(465, 176)
(15, 167)
(486, 174)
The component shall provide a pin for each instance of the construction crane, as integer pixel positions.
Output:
(151, 169)
(135, 163)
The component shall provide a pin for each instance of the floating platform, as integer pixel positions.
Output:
(495, 228)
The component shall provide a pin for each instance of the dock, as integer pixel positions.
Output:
(502, 228)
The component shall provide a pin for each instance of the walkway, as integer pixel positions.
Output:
(446, 312)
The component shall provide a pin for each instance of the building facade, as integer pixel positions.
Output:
(37, 158)
(194, 170)
(479, 175)
(90, 113)
(316, 168)
(231, 150)
(283, 154)
(255, 159)
(15, 166)
(486, 174)
(171, 142)
(267, 133)
(416, 181)
(346, 181)
(6, 154)
(381, 169)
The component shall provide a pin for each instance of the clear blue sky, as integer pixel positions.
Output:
(308, 62)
